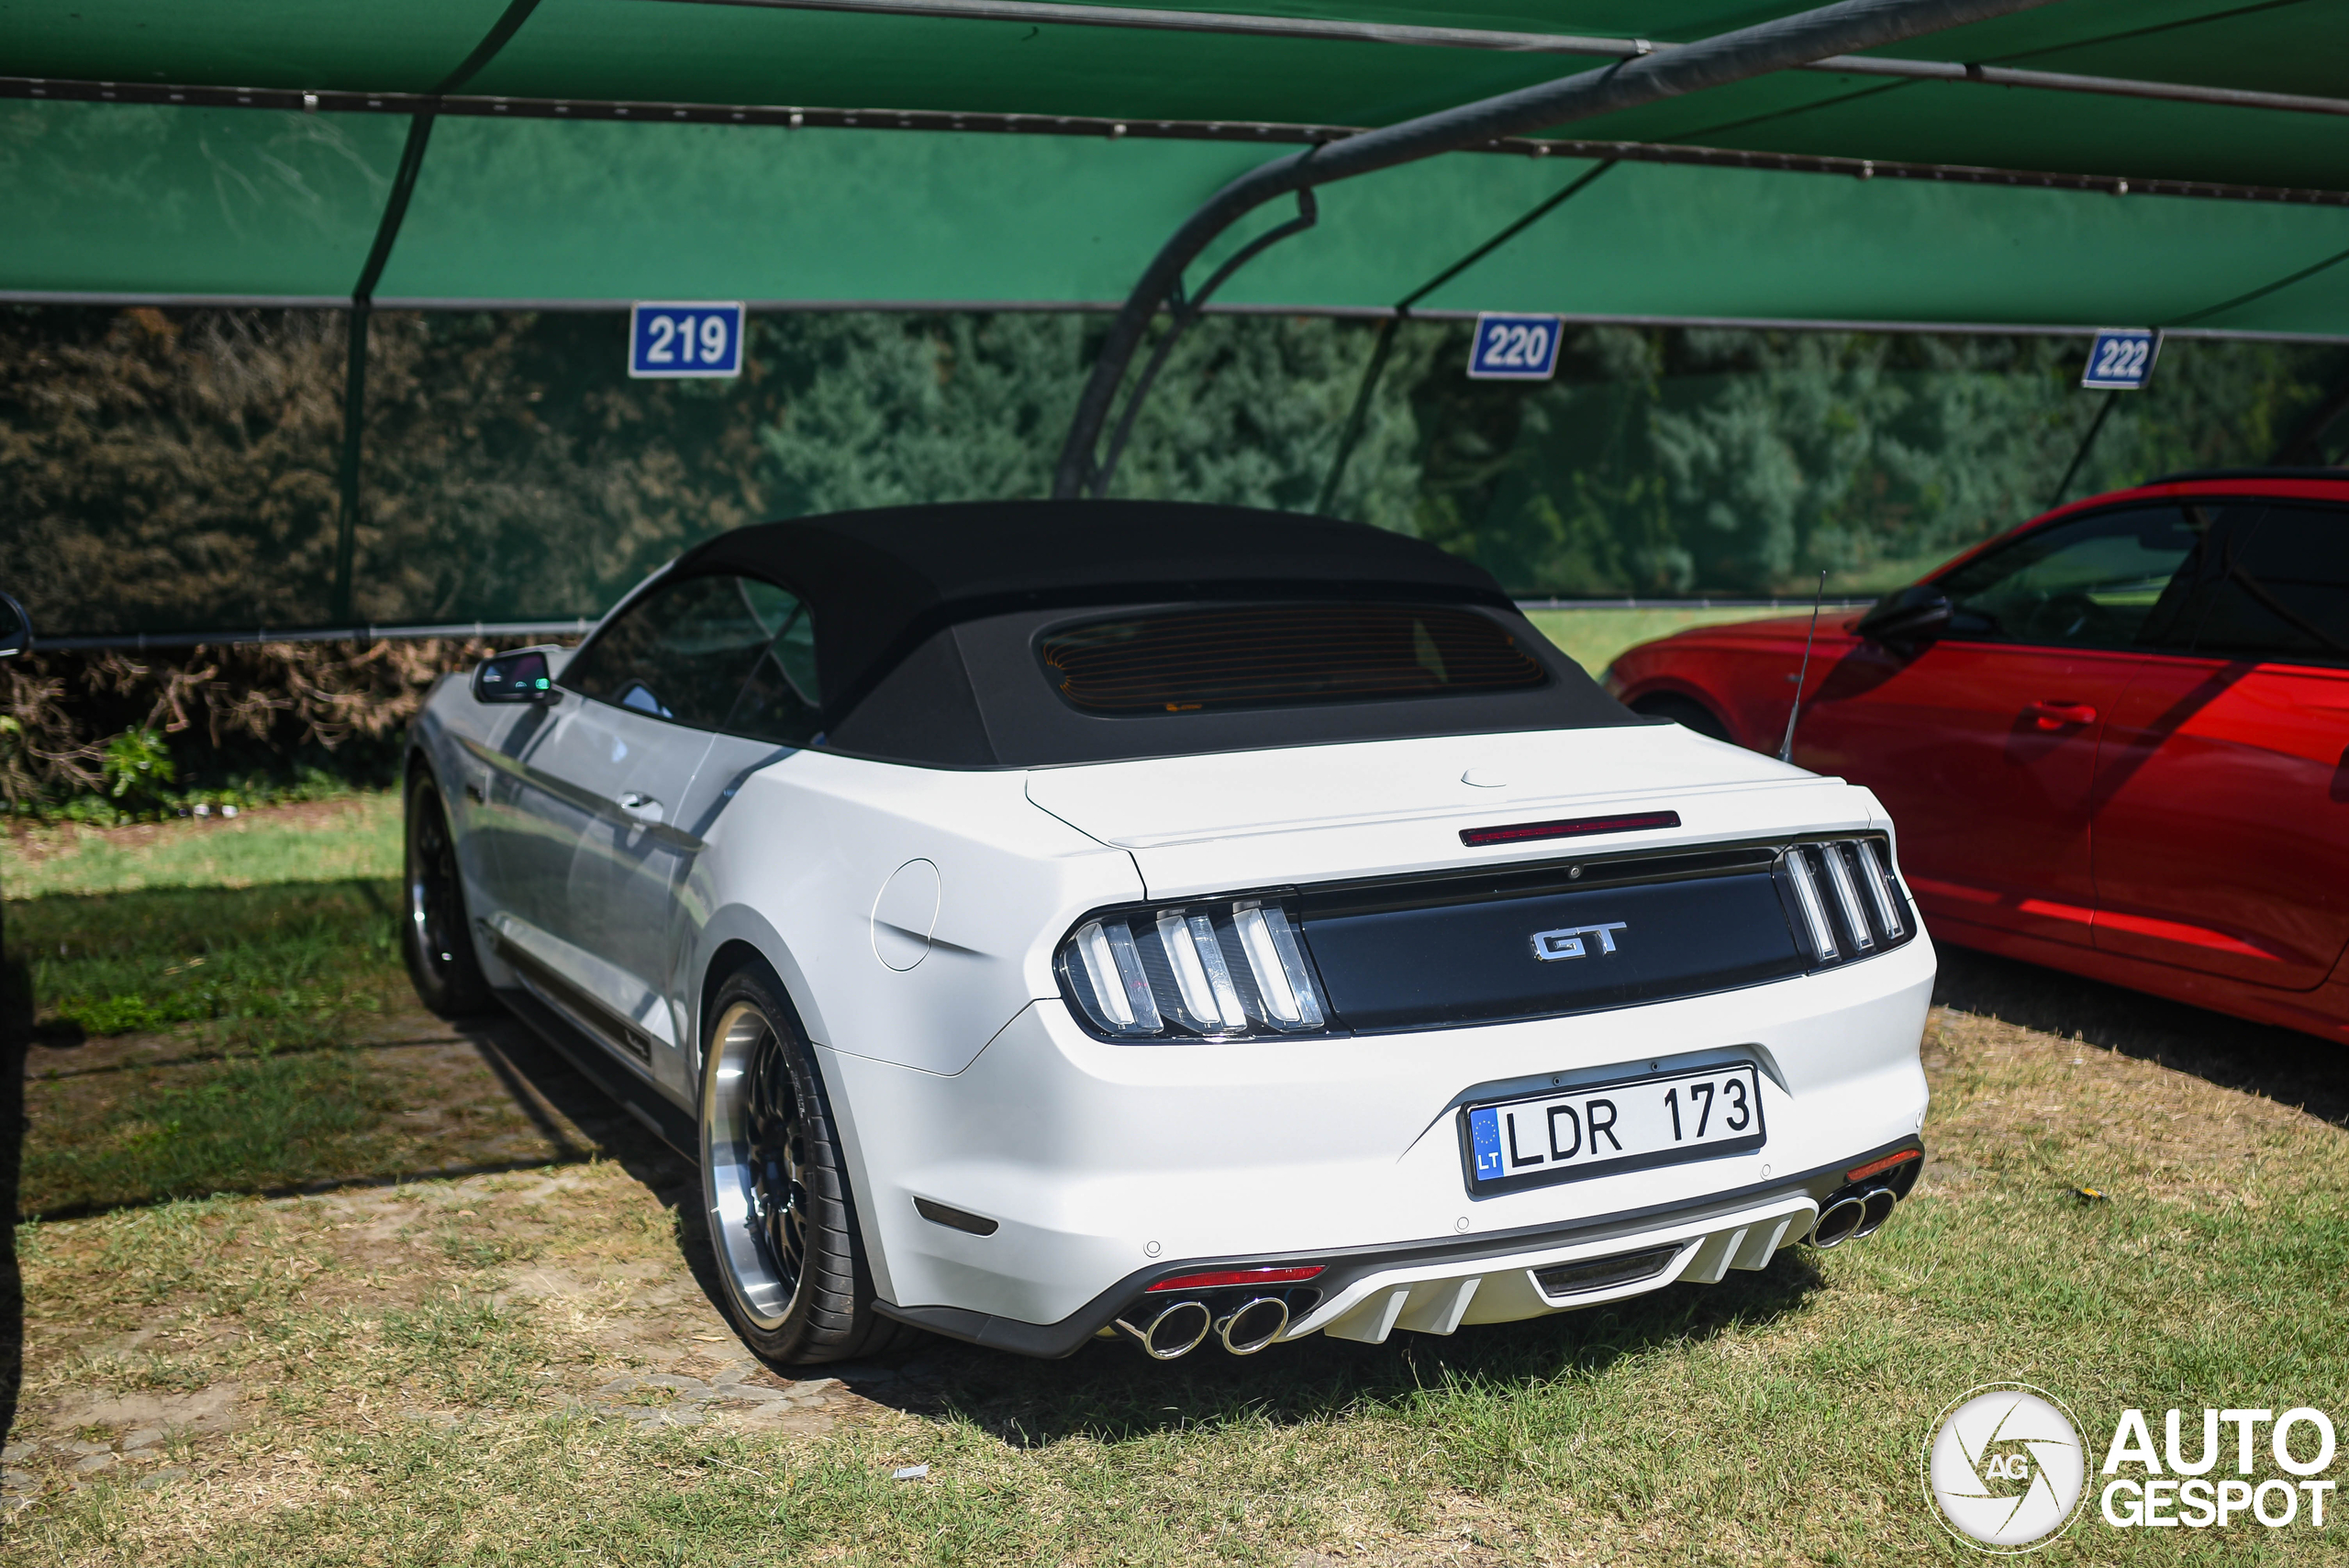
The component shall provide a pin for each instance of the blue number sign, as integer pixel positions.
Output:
(684, 340)
(1514, 348)
(2121, 358)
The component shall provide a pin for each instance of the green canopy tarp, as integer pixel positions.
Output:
(638, 148)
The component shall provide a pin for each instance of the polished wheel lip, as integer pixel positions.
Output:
(760, 1243)
(431, 884)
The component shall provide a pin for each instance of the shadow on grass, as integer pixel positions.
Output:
(194, 1041)
(577, 1120)
(276, 965)
(2279, 1065)
(15, 1034)
(546, 1086)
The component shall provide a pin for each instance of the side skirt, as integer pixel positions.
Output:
(595, 1062)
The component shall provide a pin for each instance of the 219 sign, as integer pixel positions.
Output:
(1514, 348)
(672, 340)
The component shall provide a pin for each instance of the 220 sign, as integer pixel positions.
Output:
(1514, 348)
(672, 340)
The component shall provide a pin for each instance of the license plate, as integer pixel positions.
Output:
(1596, 1130)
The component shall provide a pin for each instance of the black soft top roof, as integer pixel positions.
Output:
(879, 584)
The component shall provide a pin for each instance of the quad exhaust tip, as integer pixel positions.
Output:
(1184, 1326)
(1878, 1205)
(1854, 1216)
(1176, 1332)
(1255, 1324)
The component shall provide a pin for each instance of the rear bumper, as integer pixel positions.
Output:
(1106, 1167)
(1439, 1286)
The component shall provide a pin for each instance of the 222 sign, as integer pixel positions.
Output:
(1514, 348)
(673, 340)
(2121, 359)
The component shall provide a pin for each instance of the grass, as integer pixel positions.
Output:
(415, 1367)
(1593, 637)
(269, 966)
(209, 1126)
(355, 836)
(190, 1040)
(404, 1394)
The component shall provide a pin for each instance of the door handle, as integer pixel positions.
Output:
(2059, 715)
(641, 807)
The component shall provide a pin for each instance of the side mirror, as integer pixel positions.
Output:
(16, 627)
(514, 677)
(1909, 617)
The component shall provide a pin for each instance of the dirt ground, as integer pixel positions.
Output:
(510, 1166)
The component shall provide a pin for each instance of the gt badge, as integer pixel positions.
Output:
(1550, 946)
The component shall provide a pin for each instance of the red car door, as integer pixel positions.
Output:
(2221, 819)
(1983, 744)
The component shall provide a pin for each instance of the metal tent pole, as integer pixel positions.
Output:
(2096, 428)
(1776, 45)
(354, 375)
(1387, 330)
(362, 298)
(1054, 13)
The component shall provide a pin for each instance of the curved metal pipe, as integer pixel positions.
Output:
(1186, 313)
(1173, 1347)
(1838, 1223)
(1876, 1205)
(1844, 28)
(1242, 1338)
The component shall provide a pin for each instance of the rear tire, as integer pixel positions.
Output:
(776, 1190)
(436, 938)
(1687, 712)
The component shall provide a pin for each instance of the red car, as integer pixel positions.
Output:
(2115, 739)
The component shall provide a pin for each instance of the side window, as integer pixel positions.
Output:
(684, 652)
(780, 701)
(2276, 586)
(2093, 582)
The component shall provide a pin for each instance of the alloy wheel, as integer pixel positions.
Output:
(435, 906)
(756, 1153)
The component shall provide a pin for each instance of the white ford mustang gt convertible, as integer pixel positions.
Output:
(1053, 921)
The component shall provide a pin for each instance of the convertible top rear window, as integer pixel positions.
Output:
(1034, 634)
(1281, 655)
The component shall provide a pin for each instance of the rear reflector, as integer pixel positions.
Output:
(955, 1218)
(1220, 1277)
(1877, 1167)
(1571, 827)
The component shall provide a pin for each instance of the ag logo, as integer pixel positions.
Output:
(2004, 1470)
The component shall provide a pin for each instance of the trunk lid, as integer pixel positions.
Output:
(1236, 820)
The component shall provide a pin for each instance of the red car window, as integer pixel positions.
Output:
(2276, 586)
(2089, 581)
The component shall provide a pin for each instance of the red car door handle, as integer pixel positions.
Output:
(2059, 715)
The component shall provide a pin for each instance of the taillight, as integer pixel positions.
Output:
(1845, 903)
(1225, 970)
